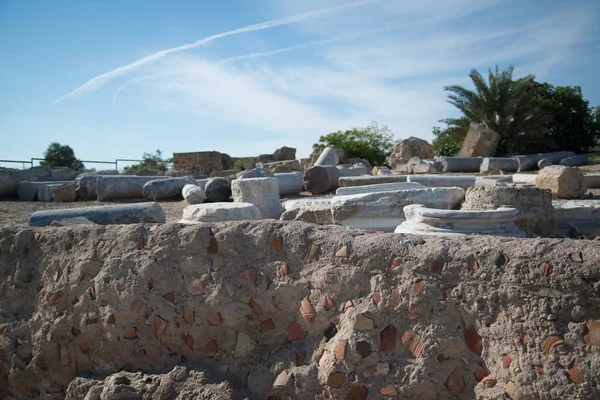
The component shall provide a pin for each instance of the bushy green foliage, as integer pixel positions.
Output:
(572, 124)
(530, 117)
(242, 164)
(151, 161)
(373, 143)
(57, 155)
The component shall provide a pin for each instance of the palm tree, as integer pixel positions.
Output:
(504, 105)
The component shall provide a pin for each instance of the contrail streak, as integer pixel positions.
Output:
(99, 80)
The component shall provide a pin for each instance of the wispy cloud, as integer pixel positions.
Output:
(99, 80)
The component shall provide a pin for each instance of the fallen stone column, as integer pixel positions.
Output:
(461, 164)
(462, 181)
(384, 210)
(353, 170)
(28, 190)
(321, 179)
(574, 161)
(289, 183)
(161, 189)
(86, 186)
(104, 215)
(370, 180)
(328, 156)
(262, 192)
(530, 162)
(421, 220)
(382, 187)
(592, 181)
(214, 212)
(503, 163)
(64, 193)
(122, 187)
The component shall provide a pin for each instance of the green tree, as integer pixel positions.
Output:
(151, 161)
(57, 155)
(506, 106)
(572, 124)
(373, 143)
(448, 141)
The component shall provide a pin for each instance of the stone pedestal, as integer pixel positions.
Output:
(137, 213)
(262, 192)
(534, 206)
(421, 220)
(321, 179)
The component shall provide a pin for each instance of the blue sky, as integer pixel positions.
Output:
(115, 79)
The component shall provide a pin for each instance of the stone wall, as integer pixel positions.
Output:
(290, 310)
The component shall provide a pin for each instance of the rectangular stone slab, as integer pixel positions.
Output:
(385, 210)
(462, 181)
(150, 212)
(370, 180)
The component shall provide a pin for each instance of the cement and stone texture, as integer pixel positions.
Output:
(460, 164)
(28, 190)
(409, 148)
(574, 161)
(313, 312)
(353, 170)
(577, 218)
(122, 187)
(370, 180)
(530, 162)
(193, 194)
(462, 181)
(217, 190)
(215, 212)
(382, 187)
(259, 172)
(329, 156)
(505, 164)
(290, 183)
(480, 141)
(163, 189)
(315, 211)
(564, 182)
(63, 193)
(322, 178)
(535, 212)
(262, 192)
(421, 220)
(104, 215)
(384, 210)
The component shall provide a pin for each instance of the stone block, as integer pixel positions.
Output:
(259, 172)
(480, 141)
(315, 211)
(64, 193)
(215, 212)
(262, 192)
(409, 148)
(564, 182)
